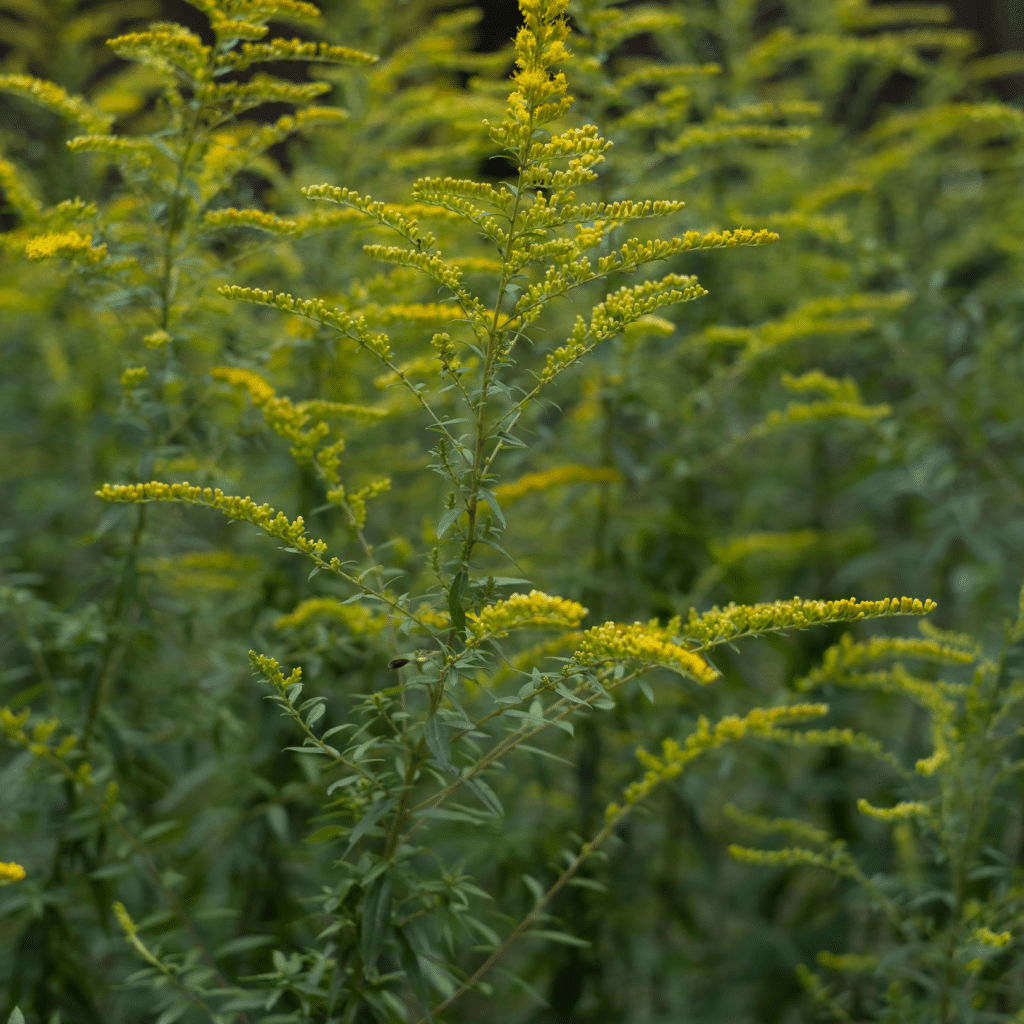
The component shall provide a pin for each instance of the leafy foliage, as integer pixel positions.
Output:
(427, 802)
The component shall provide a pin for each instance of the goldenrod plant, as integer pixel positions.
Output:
(935, 938)
(417, 797)
(409, 768)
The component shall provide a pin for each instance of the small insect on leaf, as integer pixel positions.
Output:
(396, 663)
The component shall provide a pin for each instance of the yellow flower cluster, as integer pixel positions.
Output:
(165, 43)
(312, 309)
(759, 722)
(67, 243)
(844, 390)
(930, 765)
(722, 624)
(133, 377)
(291, 49)
(271, 669)
(997, 940)
(841, 658)
(791, 826)
(157, 339)
(269, 222)
(846, 961)
(259, 390)
(431, 617)
(326, 409)
(906, 809)
(283, 416)
(649, 644)
(383, 213)
(138, 152)
(10, 872)
(55, 98)
(238, 97)
(856, 741)
(415, 312)
(195, 571)
(36, 741)
(630, 303)
(721, 134)
(245, 509)
(432, 189)
(439, 269)
(15, 192)
(356, 500)
(738, 548)
(814, 412)
(574, 349)
(519, 610)
(354, 617)
(835, 860)
(574, 474)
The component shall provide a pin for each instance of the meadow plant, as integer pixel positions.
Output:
(408, 663)
(935, 938)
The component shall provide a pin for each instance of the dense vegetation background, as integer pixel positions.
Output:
(841, 415)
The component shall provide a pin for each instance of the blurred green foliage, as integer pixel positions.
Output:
(839, 415)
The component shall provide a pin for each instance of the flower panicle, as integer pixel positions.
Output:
(675, 756)
(719, 625)
(524, 610)
(276, 524)
(900, 812)
(10, 872)
(649, 644)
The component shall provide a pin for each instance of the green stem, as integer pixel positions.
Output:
(114, 648)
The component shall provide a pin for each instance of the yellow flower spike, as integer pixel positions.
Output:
(930, 765)
(133, 377)
(157, 340)
(524, 610)
(68, 243)
(42, 732)
(846, 961)
(989, 938)
(650, 645)
(56, 99)
(572, 474)
(66, 746)
(355, 618)
(244, 509)
(11, 872)
(759, 722)
(722, 624)
(259, 390)
(906, 809)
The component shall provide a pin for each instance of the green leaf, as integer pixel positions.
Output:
(16, 1017)
(376, 920)
(367, 821)
(436, 735)
(485, 794)
(445, 522)
(456, 595)
(173, 1013)
(509, 440)
(321, 835)
(411, 965)
(492, 503)
(560, 937)
(243, 944)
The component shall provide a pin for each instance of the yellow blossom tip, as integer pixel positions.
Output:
(11, 872)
